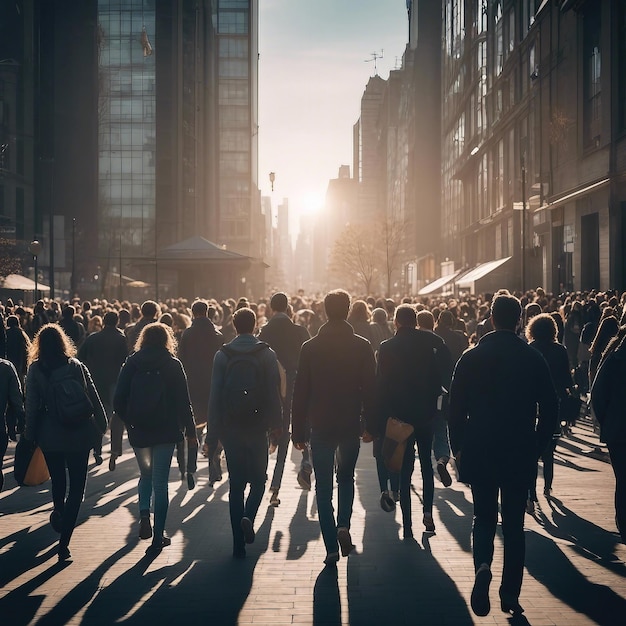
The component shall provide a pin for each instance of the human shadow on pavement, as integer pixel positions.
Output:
(449, 502)
(550, 566)
(326, 600)
(302, 530)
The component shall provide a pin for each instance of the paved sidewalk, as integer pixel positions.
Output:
(576, 571)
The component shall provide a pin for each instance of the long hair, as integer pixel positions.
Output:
(608, 328)
(157, 335)
(50, 344)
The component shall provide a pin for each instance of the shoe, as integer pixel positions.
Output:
(248, 530)
(331, 559)
(64, 554)
(530, 506)
(442, 470)
(191, 481)
(154, 549)
(510, 605)
(480, 593)
(274, 499)
(387, 503)
(145, 527)
(345, 541)
(304, 478)
(56, 520)
(396, 496)
(98, 459)
(112, 463)
(429, 523)
(547, 491)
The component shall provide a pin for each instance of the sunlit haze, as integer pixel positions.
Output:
(312, 73)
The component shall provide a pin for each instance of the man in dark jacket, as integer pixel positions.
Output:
(286, 339)
(334, 386)
(244, 436)
(10, 397)
(409, 378)
(497, 435)
(104, 353)
(196, 350)
(150, 312)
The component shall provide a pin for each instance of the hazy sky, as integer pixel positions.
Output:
(312, 73)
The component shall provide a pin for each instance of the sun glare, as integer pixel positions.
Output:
(311, 203)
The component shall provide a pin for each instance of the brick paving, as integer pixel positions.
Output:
(575, 565)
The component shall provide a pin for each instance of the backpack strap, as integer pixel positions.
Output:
(229, 351)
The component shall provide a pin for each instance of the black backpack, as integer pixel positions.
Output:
(243, 392)
(67, 399)
(146, 403)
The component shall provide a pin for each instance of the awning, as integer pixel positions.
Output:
(21, 283)
(575, 195)
(436, 285)
(480, 271)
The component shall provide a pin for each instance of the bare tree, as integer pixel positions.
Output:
(392, 240)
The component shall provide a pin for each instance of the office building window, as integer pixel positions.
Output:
(592, 76)
(481, 16)
(499, 40)
(622, 61)
(19, 213)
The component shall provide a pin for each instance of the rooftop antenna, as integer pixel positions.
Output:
(375, 56)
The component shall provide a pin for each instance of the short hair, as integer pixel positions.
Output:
(13, 321)
(506, 311)
(406, 315)
(199, 308)
(158, 335)
(111, 318)
(68, 312)
(244, 320)
(379, 316)
(446, 319)
(337, 304)
(426, 320)
(279, 302)
(149, 308)
(543, 328)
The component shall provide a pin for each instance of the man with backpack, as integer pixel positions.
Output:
(244, 406)
(286, 339)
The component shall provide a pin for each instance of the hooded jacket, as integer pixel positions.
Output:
(177, 415)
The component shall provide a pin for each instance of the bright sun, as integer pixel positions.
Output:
(311, 203)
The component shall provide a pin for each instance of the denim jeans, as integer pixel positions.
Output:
(513, 502)
(386, 479)
(76, 463)
(548, 470)
(154, 468)
(441, 443)
(246, 458)
(423, 438)
(325, 454)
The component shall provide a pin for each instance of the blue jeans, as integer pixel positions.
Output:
(246, 457)
(324, 454)
(441, 443)
(154, 467)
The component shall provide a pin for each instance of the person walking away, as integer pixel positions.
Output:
(18, 345)
(243, 407)
(379, 329)
(72, 328)
(12, 402)
(608, 399)
(104, 353)
(333, 390)
(65, 443)
(152, 399)
(286, 339)
(150, 313)
(541, 333)
(196, 350)
(499, 425)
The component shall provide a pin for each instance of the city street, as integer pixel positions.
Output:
(576, 570)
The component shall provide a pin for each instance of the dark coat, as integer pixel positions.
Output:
(17, 350)
(457, 343)
(334, 385)
(196, 350)
(412, 367)
(177, 415)
(608, 396)
(46, 429)
(555, 355)
(286, 339)
(104, 354)
(493, 420)
(11, 398)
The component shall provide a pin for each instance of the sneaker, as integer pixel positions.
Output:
(56, 520)
(429, 523)
(547, 491)
(98, 459)
(442, 470)
(274, 499)
(191, 481)
(396, 496)
(510, 604)
(64, 554)
(304, 478)
(154, 549)
(331, 559)
(345, 541)
(387, 503)
(480, 593)
(145, 527)
(248, 530)
(112, 463)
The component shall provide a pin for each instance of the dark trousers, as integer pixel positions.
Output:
(513, 503)
(548, 470)
(423, 438)
(76, 464)
(4, 443)
(117, 432)
(618, 461)
(246, 458)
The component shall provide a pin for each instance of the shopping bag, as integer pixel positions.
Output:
(397, 433)
(30, 467)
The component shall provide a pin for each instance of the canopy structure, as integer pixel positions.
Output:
(485, 277)
(438, 284)
(21, 283)
(197, 249)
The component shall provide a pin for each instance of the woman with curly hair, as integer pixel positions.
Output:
(154, 434)
(64, 447)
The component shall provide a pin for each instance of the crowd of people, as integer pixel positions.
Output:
(464, 376)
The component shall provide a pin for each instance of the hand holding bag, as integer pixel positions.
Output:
(30, 467)
(394, 443)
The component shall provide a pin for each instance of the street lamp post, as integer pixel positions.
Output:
(272, 179)
(523, 225)
(35, 250)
